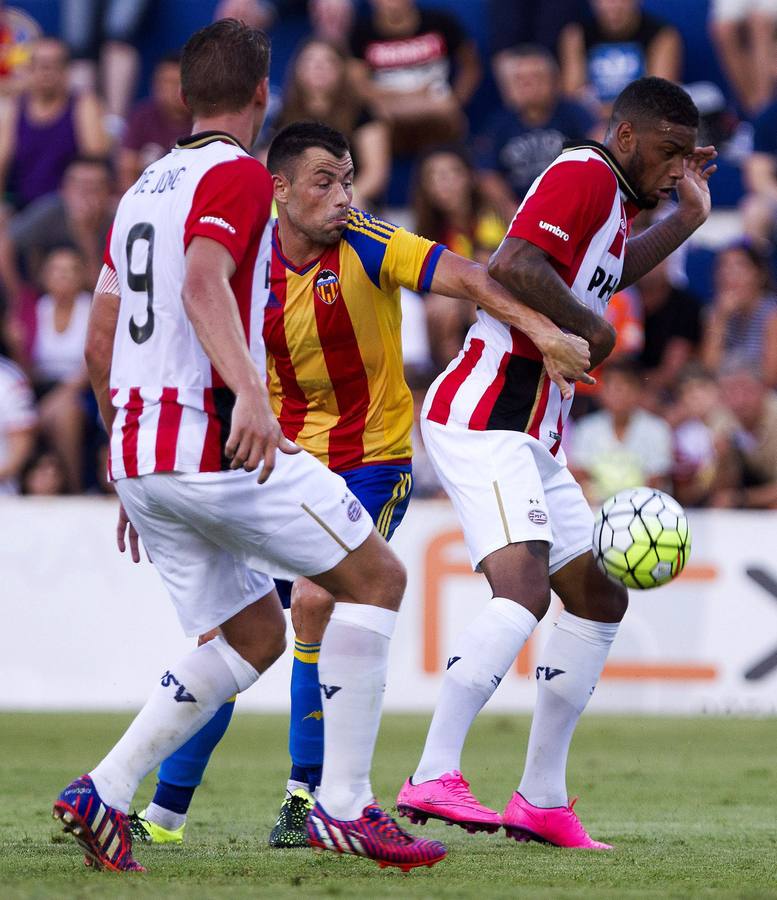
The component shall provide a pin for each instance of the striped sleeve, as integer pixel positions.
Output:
(108, 282)
(410, 261)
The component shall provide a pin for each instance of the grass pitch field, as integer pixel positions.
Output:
(689, 804)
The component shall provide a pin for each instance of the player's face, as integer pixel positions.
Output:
(319, 195)
(656, 159)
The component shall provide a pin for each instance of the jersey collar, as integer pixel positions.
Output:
(631, 194)
(203, 138)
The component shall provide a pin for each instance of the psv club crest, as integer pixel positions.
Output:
(327, 286)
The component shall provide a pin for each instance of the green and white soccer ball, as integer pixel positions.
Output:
(641, 538)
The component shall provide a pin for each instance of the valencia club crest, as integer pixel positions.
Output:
(327, 286)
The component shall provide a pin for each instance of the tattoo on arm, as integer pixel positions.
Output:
(646, 251)
(526, 272)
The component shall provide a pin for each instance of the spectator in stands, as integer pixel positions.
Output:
(105, 30)
(701, 427)
(620, 42)
(79, 215)
(18, 31)
(760, 173)
(624, 313)
(450, 208)
(59, 371)
(523, 138)
(416, 69)
(622, 445)
(318, 88)
(18, 421)
(742, 320)
(46, 127)
(527, 21)
(43, 476)
(743, 32)
(332, 20)
(671, 320)
(753, 441)
(256, 13)
(154, 125)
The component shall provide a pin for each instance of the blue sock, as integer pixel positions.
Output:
(306, 731)
(182, 771)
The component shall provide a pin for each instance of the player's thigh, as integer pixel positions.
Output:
(371, 574)
(494, 484)
(519, 572)
(571, 519)
(302, 521)
(206, 583)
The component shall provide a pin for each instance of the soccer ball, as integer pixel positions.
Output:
(641, 538)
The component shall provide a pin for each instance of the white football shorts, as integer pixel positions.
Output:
(216, 538)
(507, 488)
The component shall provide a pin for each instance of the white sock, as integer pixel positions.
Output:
(164, 817)
(569, 669)
(185, 699)
(352, 670)
(292, 785)
(482, 655)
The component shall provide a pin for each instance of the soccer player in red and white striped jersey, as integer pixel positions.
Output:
(176, 357)
(492, 424)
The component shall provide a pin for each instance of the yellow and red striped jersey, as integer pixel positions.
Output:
(334, 351)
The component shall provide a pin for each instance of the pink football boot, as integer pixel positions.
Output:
(558, 825)
(449, 799)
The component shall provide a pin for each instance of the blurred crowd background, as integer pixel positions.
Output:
(453, 107)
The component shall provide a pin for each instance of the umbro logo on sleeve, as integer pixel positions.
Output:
(217, 220)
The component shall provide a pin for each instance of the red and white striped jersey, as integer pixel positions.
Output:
(173, 409)
(579, 212)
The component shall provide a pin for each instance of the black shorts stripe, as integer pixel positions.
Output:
(513, 407)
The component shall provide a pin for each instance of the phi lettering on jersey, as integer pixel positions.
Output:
(605, 281)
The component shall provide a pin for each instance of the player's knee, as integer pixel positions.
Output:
(616, 602)
(529, 586)
(311, 609)
(267, 651)
(389, 582)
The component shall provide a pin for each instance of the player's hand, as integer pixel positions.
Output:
(693, 191)
(567, 358)
(121, 532)
(255, 435)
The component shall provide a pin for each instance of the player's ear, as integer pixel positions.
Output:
(280, 188)
(262, 93)
(625, 137)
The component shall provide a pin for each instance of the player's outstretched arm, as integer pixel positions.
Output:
(212, 309)
(566, 356)
(525, 271)
(646, 251)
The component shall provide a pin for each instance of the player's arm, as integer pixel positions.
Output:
(646, 251)
(526, 271)
(566, 356)
(98, 349)
(212, 309)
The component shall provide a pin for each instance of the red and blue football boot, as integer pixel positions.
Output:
(102, 831)
(375, 835)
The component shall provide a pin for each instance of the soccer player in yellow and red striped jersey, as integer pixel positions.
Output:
(336, 383)
(347, 403)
